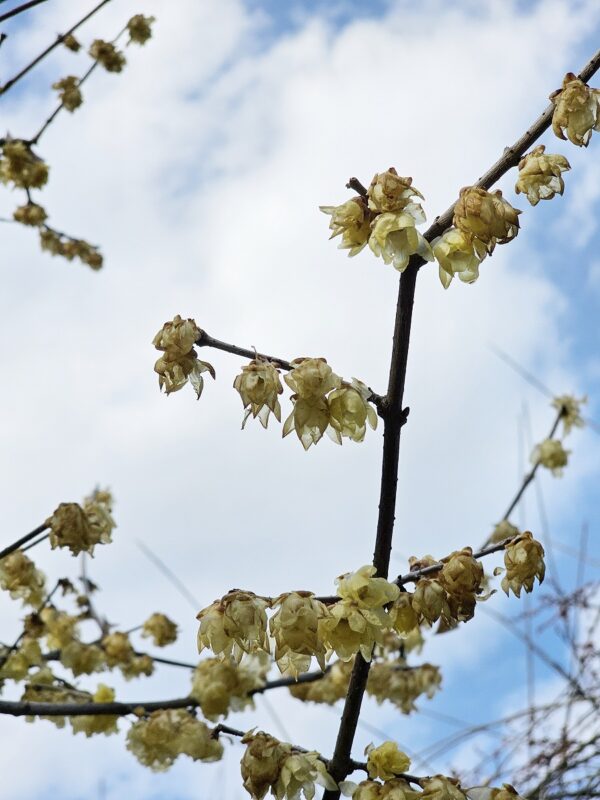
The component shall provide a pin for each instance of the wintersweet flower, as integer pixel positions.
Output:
(386, 761)
(367, 591)
(234, 625)
(524, 562)
(441, 788)
(311, 378)
(309, 418)
(71, 43)
(351, 221)
(349, 629)
(160, 629)
(19, 165)
(139, 28)
(106, 53)
(333, 686)
(180, 362)
(430, 600)
(551, 454)
(101, 723)
(395, 239)
(299, 773)
(503, 530)
(576, 111)
(20, 577)
(507, 792)
(570, 407)
(69, 92)
(391, 192)
(82, 659)
(349, 411)
(259, 385)
(30, 214)
(540, 175)
(486, 216)
(220, 685)
(159, 739)
(394, 682)
(403, 617)
(262, 762)
(294, 627)
(458, 253)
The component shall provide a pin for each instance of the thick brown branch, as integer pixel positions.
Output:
(392, 413)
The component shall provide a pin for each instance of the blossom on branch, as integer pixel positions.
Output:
(524, 562)
(100, 723)
(106, 53)
(570, 408)
(234, 625)
(160, 629)
(221, 685)
(259, 385)
(164, 735)
(30, 214)
(351, 221)
(71, 43)
(395, 238)
(540, 175)
(139, 28)
(349, 411)
(180, 362)
(486, 216)
(391, 192)
(386, 761)
(551, 454)
(19, 577)
(69, 92)
(576, 111)
(20, 166)
(294, 627)
(458, 253)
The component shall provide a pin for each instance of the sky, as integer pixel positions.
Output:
(199, 171)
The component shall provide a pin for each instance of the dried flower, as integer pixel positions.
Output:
(351, 220)
(462, 575)
(395, 238)
(161, 630)
(430, 600)
(30, 214)
(71, 43)
(139, 28)
(19, 576)
(349, 411)
(81, 529)
(294, 626)
(551, 454)
(180, 362)
(458, 253)
(386, 761)
(158, 740)
(234, 625)
(576, 111)
(486, 216)
(69, 92)
(570, 407)
(524, 562)
(19, 165)
(540, 175)
(107, 54)
(390, 192)
(259, 385)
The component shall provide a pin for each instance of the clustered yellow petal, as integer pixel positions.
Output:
(503, 530)
(69, 92)
(486, 217)
(391, 192)
(119, 653)
(139, 28)
(524, 562)
(16, 665)
(234, 625)
(160, 629)
(351, 220)
(82, 659)
(551, 454)
(458, 253)
(332, 687)
(349, 411)
(100, 723)
(540, 175)
(221, 686)
(270, 764)
(311, 379)
(259, 385)
(395, 239)
(60, 628)
(106, 53)
(576, 111)
(82, 528)
(395, 682)
(30, 214)
(164, 735)
(570, 408)
(386, 761)
(294, 627)
(20, 166)
(19, 576)
(440, 787)
(394, 789)
(179, 362)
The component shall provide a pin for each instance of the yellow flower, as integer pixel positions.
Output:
(395, 238)
(118, 648)
(349, 629)
(524, 562)
(312, 378)
(220, 686)
(333, 686)
(294, 626)
(570, 407)
(507, 792)
(396, 683)
(551, 454)
(69, 92)
(19, 577)
(349, 411)
(158, 740)
(540, 175)
(19, 165)
(139, 665)
(503, 530)
(461, 574)
(365, 590)
(259, 385)
(161, 629)
(30, 214)
(351, 220)
(390, 192)
(71, 43)
(441, 788)
(234, 625)
(430, 600)
(262, 762)
(102, 723)
(386, 761)
(403, 617)
(107, 54)
(17, 664)
(458, 253)
(576, 111)
(299, 773)
(309, 418)
(82, 659)
(60, 628)
(81, 529)
(180, 362)
(486, 216)
(139, 28)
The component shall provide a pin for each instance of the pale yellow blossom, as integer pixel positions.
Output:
(234, 625)
(101, 723)
(159, 739)
(524, 562)
(570, 406)
(69, 92)
(395, 239)
(551, 454)
(386, 761)
(294, 627)
(486, 216)
(576, 111)
(540, 175)
(458, 253)
(259, 385)
(349, 411)
(351, 220)
(19, 577)
(160, 629)
(106, 53)
(391, 192)
(139, 28)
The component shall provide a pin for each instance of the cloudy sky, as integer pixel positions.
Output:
(199, 171)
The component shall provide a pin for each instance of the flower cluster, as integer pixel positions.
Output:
(69, 92)
(386, 219)
(16, 665)
(139, 28)
(395, 682)
(82, 528)
(82, 659)
(57, 244)
(395, 789)
(570, 408)
(333, 686)
(20, 577)
(386, 761)
(540, 175)
(234, 625)
(221, 686)
(100, 723)
(160, 629)
(120, 653)
(30, 214)
(268, 764)
(159, 739)
(179, 362)
(551, 454)
(259, 385)
(524, 562)
(295, 629)
(106, 53)
(324, 402)
(20, 166)
(576, 111)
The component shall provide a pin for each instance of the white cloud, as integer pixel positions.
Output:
(199, 170)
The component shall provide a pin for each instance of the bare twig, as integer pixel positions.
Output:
(20, 9)
(28, 536)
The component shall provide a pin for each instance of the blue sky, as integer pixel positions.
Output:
(199, 170)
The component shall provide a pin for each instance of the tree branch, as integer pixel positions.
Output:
(15, 545)
(20, 9)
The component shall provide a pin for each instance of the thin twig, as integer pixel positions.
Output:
(20, 9)
(28, 536)
(5, 656)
